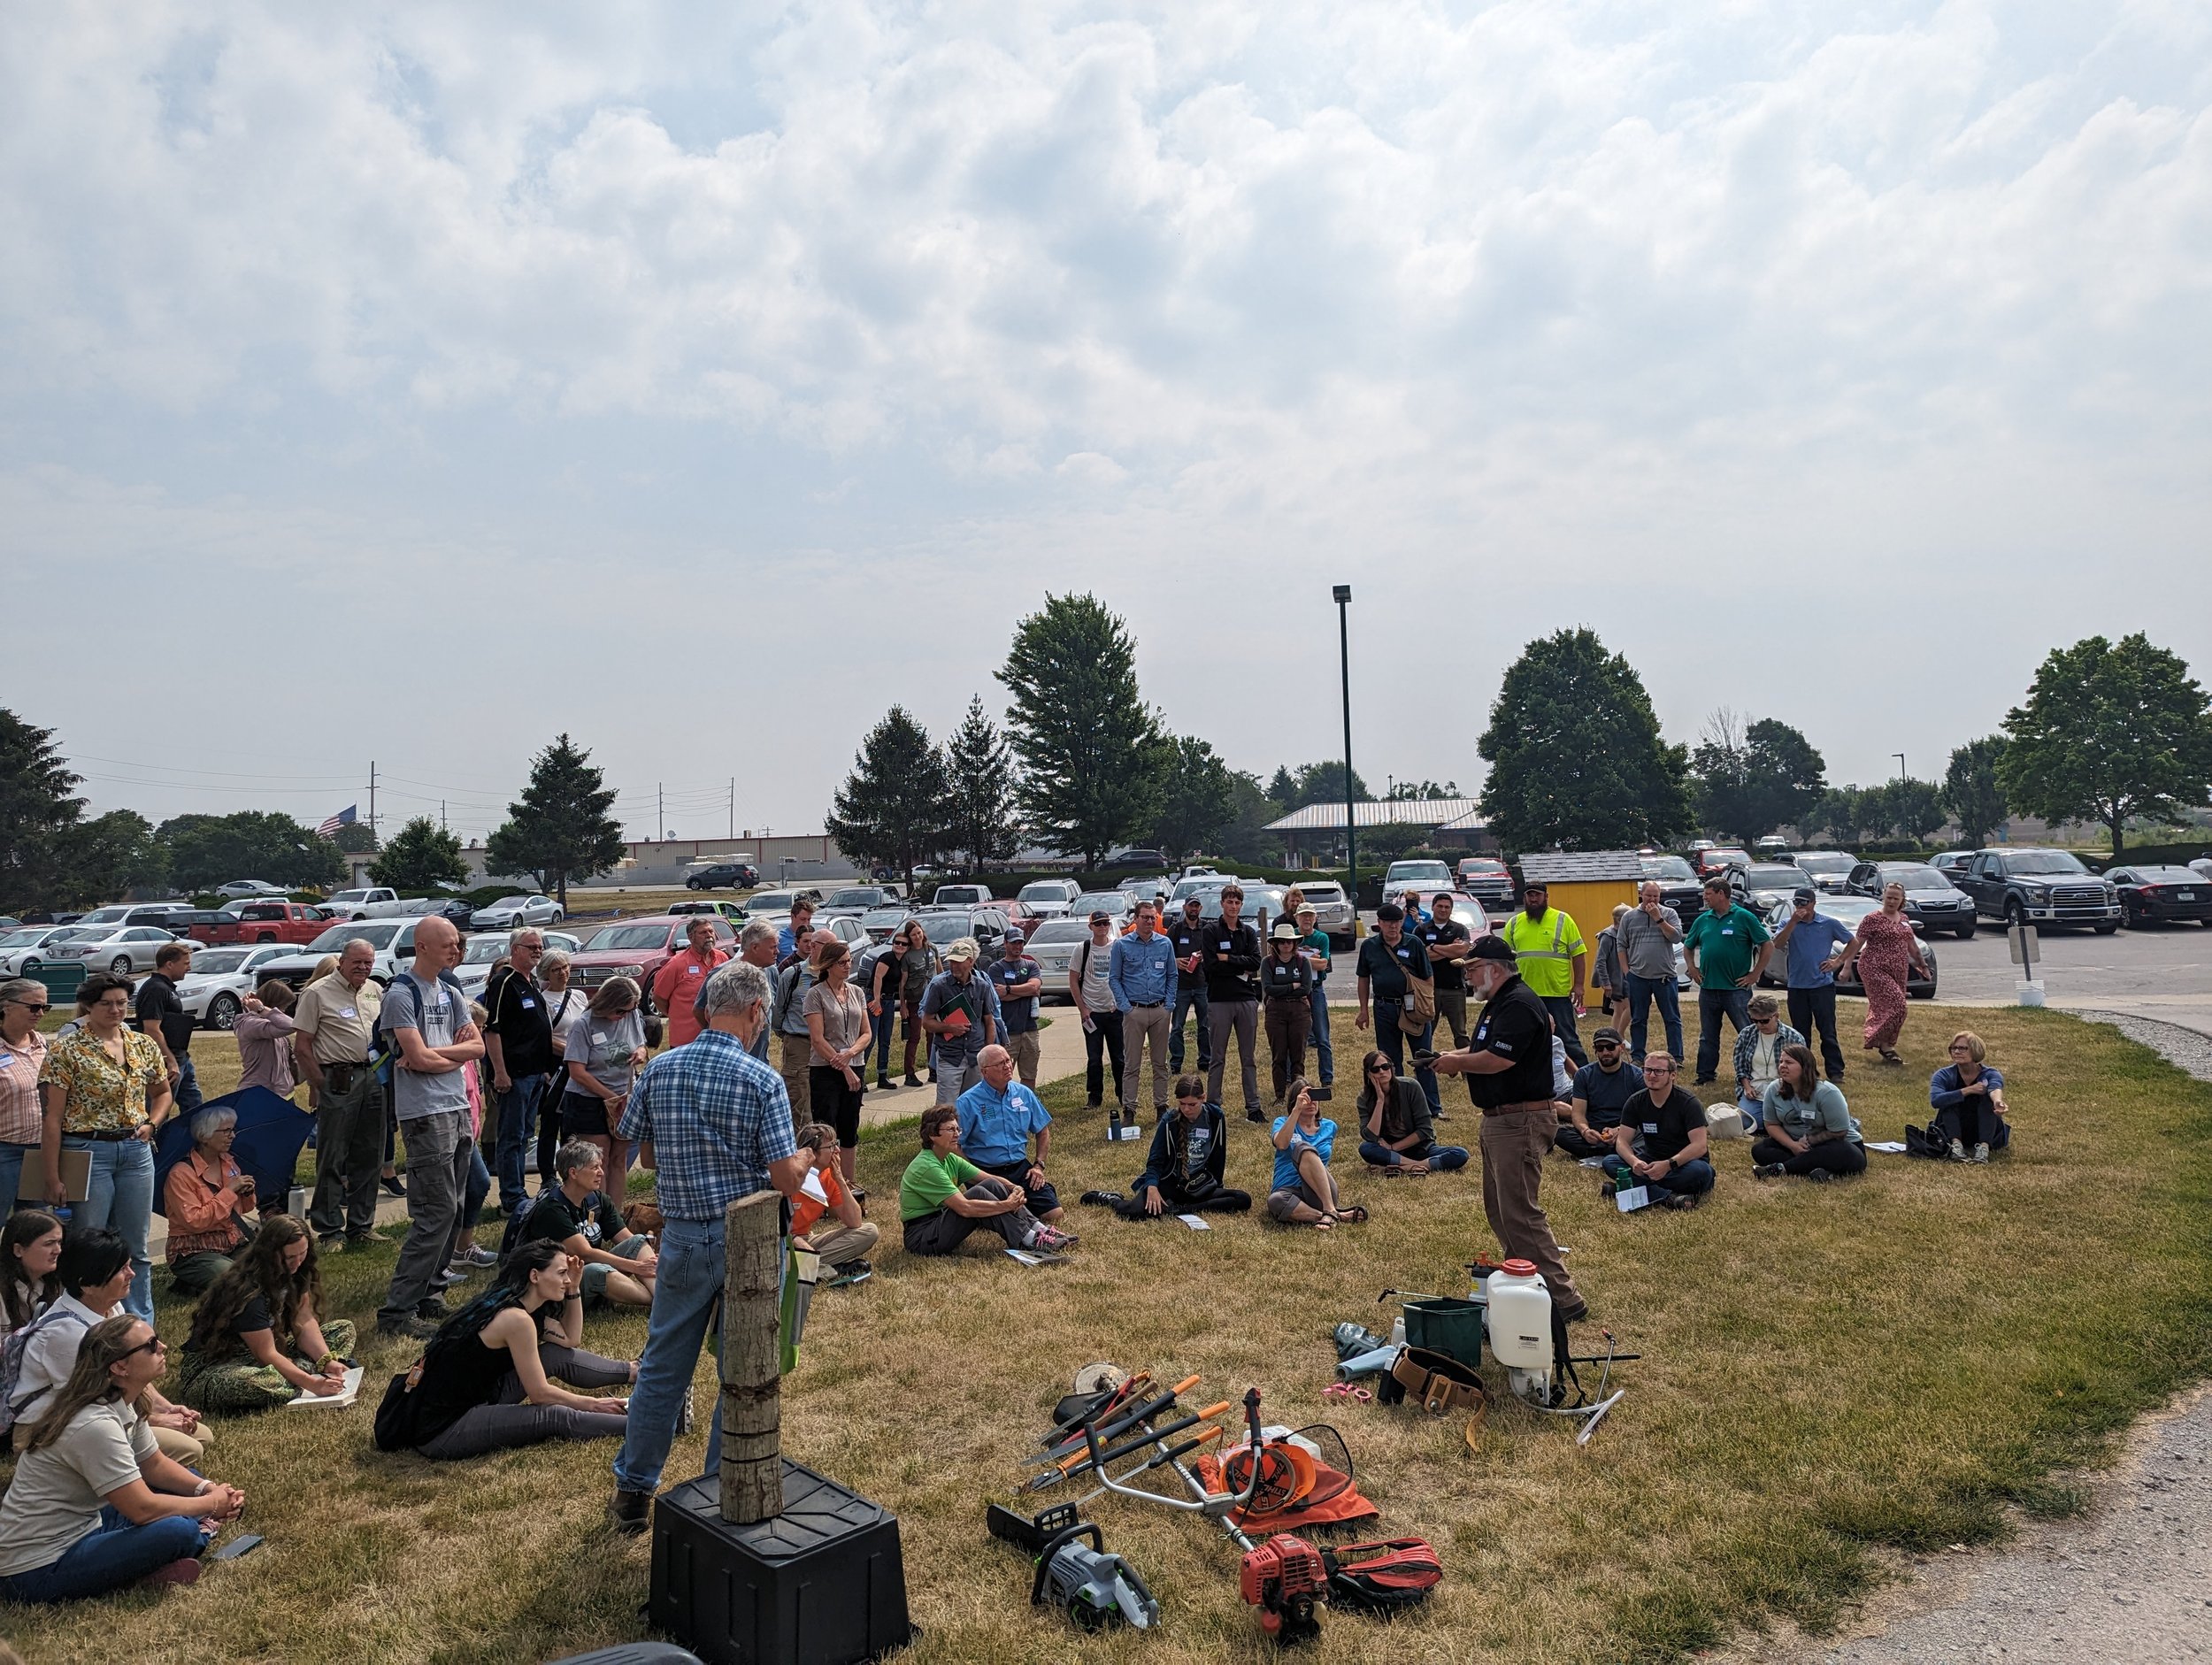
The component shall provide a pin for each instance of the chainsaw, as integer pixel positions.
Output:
(1095, 1588)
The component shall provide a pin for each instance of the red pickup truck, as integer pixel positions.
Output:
(271, 921)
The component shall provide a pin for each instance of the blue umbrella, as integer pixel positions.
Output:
(270, 1131)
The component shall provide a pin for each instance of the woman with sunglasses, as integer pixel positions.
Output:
(107, 1095)
(23, 1001)
(1969, 1099)
(604, 1048)
(1396, 1134)
(95, 1505)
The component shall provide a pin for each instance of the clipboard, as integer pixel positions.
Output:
(76, 1175)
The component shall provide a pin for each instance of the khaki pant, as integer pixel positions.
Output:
(795, 1057)
(1023, 1049)
(1139, 1025)
(1514, 1145)
(840, 1244)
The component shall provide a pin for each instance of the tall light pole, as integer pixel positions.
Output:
(1343, 595)
(1900, 756)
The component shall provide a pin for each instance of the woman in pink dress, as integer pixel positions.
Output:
(1883, 950)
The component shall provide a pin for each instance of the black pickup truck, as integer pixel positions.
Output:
(2039, 887)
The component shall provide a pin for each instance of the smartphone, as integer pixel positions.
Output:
(245, 1543)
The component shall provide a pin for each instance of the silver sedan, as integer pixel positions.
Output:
(510, 912)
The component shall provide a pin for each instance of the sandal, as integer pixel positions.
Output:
(1353, 1212)
(1326, 1223)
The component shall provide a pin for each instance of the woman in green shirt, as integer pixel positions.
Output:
(944, 1197)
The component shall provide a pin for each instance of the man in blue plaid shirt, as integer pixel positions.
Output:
(714, 1123)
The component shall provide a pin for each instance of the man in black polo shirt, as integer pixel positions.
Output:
(162, 1016)
(1229, 956)
(518, 1040)
(1508, 1065)
(1447, 940)
(1385, 960)
(1183, 935)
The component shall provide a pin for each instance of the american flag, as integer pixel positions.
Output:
(344, 817)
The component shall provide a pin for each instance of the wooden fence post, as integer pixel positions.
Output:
(752, 1364)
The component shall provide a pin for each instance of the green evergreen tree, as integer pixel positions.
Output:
(1575, 754)
(39, 805)
(560, 827)
(891, 809)
(979, 766)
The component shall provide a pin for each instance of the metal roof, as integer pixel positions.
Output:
(1458, 813)
(1572, 867)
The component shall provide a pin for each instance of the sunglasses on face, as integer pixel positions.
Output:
(155, 1344)
(37, 1010)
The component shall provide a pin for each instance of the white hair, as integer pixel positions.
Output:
(756, 931)
(734, 988)
(515, 937)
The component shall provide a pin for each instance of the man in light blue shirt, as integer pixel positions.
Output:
(998, 1116)
(1142, 974)
(1811, 945)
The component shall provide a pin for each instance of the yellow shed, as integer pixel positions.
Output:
(1587, 884)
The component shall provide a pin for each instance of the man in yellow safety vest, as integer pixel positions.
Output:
(1553, 961)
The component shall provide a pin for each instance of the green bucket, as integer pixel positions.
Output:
(1446, 1325)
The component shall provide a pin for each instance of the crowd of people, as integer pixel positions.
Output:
(759, 1089)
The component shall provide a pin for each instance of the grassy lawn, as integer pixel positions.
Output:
(1886, 1361)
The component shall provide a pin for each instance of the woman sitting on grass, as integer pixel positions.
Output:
(206, 1196)
(1969, 1099)
(831, 1226)
(257, 1341)
(1809, 1129)
(1303, 1192)
(1184, 1172)
(484, 1382)
(95, 1505)
(1396, 1133)
(30, 1262)
(944, 1197)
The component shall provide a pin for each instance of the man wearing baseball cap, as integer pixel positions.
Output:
(961, 1016)
(1508, 1065)
(1811, 946)
(1017, 980)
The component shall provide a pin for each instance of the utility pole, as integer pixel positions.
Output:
(660, 813)
(1343, 595)
(1900, 756)
(733, 808)
(372, 797)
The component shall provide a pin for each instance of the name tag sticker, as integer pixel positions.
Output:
(529, 1005)
(347, 1012)
(1728, 931)
(6, 1059)
(691, 970)
(1651, 1127)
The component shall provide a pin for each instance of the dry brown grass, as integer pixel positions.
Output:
(1891, 1360)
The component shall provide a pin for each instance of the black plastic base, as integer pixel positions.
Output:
(822, 1583)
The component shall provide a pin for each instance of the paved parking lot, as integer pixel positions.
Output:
(2163, 973)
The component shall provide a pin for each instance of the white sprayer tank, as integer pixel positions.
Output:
(1519, 1320)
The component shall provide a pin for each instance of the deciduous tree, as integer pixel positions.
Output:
(891, 809)
(419, 855)
(1575, 754)
(1972, 792)
(1198, 801)
(207, 850)
(1746, 780)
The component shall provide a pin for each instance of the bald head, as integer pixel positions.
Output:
(437, 946)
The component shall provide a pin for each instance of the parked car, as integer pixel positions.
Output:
(1194, 884)
(1426, 876)
(1488, 880)
(215, 990)
(879, 923)
(735, 912)
(147, 913)
(1136, 858)
(1054, 947)
(1263, 904)
(250, 887)
(1931, 901)
(294, 922)
(1049, 898)
(1825, 870)
(394, 941)
(25, 950)
(355, 904)
(126, 949)
(962, 896)
(509, 911)
(454, 908)
(202, 925)
(777, 902)
(1679, 886)
(1847, 911)
(2158, 895)
(724, 876)
(1118, 905)
(2203, 867)
(637, 948)
(2041, 887)
(1148, 888)
(858, 898)
(1772, 844)
(1718, 859)
(9, 922)
(1333, 909)
(479, 954)
(944, 927)
(1764, 883)
(1952, 863)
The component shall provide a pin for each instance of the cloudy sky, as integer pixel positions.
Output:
(413, 382)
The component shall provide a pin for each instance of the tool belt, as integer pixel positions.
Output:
(1438, 1381)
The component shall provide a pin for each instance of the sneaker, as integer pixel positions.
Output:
(1958, 1150)
(433, 1307)
(390, 1182)
(630, 1512)
(883, 1083)
(1256, 1114)
(418, 1329)
(1050, 1239)
(177, 1572)
(447, 1278)
(1608, 1191)
(1981, 1153)
(333, 1243)
(1102, 1199)
(1819, 1176)
(1686, 1201)
(850, 1273)
(475, 1254)
(1775, 1170)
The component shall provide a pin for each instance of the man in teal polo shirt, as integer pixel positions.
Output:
(1725, 950)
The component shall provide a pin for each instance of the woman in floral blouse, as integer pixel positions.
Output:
(107, 1094)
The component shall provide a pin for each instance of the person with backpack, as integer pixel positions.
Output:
(95, 1504)
(95, 1274)
(1090, 986)
(432, 1040)
(794, 1039)
(488, 1381)
(960, 1010)
(1185, 1171)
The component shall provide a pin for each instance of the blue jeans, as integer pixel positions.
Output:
(518, 1128)
(1321, 1034)
(1443, 1157)
(692, 1271)
(121, 1196)
(1642, 991)
(1190, 997)
(1712, 1005)
(188, 1093)
(11, 1175)
(1689, 1180)
(113, 1555)
(885, 1022)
